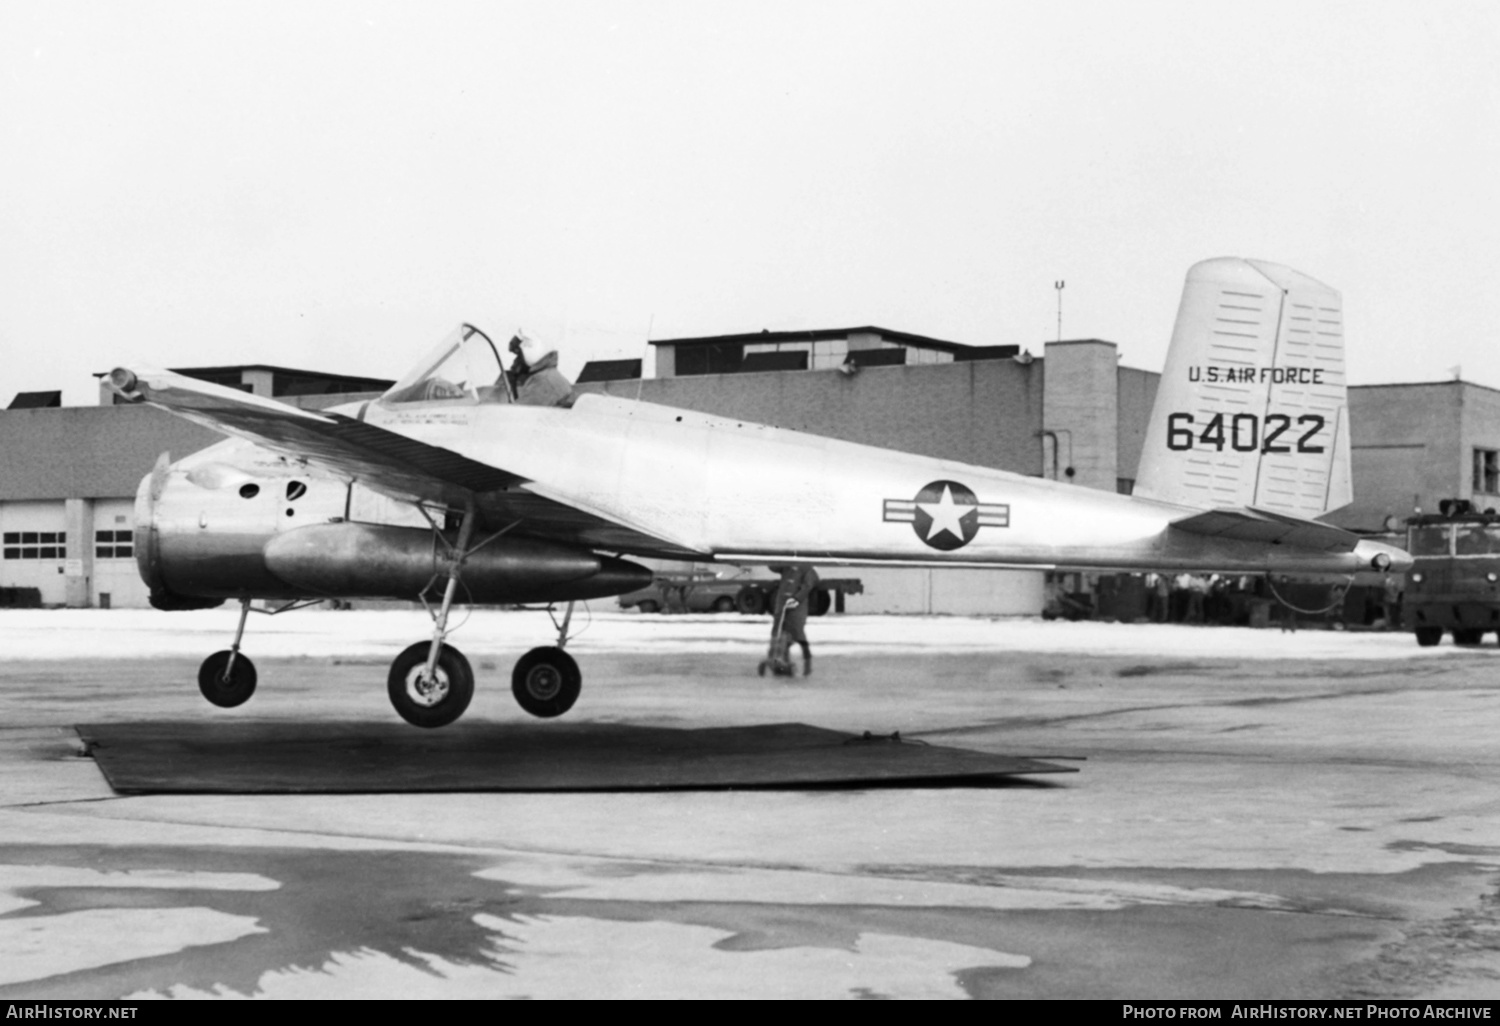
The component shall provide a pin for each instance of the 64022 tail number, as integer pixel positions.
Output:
(1246, 432)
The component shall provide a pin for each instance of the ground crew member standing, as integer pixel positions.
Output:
(793, 601)
(1391, 602)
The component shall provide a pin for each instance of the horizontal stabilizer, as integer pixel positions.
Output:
(1258, 525)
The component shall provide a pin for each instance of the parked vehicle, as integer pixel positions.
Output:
(1454, 583)
(703, 591)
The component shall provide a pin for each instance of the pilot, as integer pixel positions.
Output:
(793, 600)
(534, 373)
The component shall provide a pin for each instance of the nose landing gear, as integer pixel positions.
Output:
(227, 679)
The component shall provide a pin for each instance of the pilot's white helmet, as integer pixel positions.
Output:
(532, 350)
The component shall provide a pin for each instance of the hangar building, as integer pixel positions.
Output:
(68, 475)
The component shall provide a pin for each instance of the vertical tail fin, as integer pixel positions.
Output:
(1252, 409)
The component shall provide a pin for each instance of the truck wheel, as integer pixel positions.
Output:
(648, 606)
(1429, 636)
(750, 601)
(723, 604)
(1468, 637)
(822, 602)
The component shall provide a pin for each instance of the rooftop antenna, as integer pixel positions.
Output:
(1058, 285)
(640, 379)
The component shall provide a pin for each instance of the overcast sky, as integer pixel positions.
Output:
(334, 185)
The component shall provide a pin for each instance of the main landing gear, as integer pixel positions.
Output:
(430, 692)
(431, 683)
(546, 680)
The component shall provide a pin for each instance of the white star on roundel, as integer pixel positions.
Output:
(946, 515)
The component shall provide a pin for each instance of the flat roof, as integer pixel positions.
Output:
(817, 335)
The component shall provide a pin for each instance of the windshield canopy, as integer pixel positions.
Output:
(1477, 540)
(1429, 541)
(464, 367)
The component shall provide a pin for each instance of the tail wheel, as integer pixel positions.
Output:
(546, 682)
(434, 701)
(226, 689)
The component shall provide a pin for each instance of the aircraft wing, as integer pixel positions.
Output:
(387, 461)
(1258, 525)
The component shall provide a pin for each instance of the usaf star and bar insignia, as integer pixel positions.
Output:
(946, 515)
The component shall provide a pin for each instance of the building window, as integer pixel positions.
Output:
(712, 358)
(114, 544)
(1487, 471)
(35, 545)
(889, 356)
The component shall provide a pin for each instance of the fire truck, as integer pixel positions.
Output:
(1454, 583)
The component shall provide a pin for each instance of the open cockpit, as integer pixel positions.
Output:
(467, 368)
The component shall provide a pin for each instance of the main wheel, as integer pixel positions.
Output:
(434, 702)
(648, 606)
(1429, 636)
(226, 690)
(546, 682)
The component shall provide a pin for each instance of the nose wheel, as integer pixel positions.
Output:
(227, 679)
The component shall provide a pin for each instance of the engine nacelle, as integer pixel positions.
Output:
(207, 529)
(380, 561)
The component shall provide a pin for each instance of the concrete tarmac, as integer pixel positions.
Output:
(1241, 828)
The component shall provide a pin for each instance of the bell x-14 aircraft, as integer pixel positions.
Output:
(451, 485)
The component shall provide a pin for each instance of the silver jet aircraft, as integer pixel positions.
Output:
(450, 486)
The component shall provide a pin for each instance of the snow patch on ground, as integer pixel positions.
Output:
(33, 634)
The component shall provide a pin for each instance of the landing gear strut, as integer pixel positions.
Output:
(431, 683)
(227, 679)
